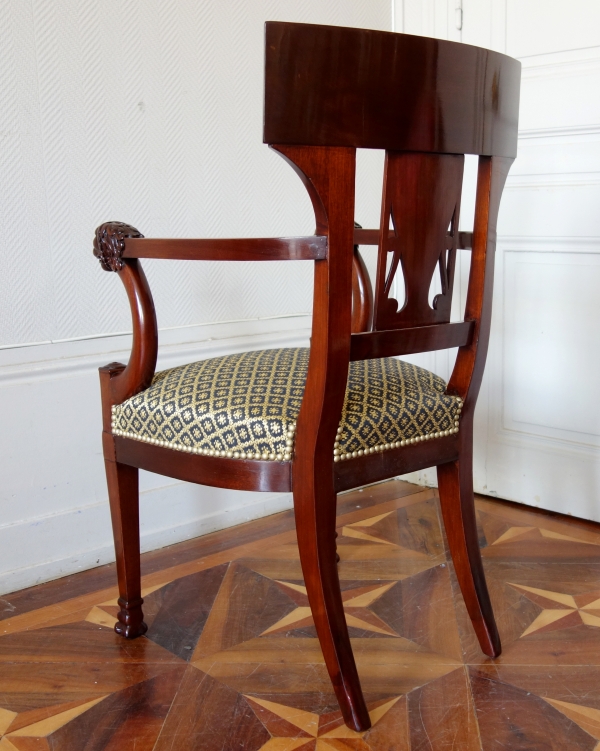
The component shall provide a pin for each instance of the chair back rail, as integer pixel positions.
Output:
(395, 342)
(331, 86)
(371, 237)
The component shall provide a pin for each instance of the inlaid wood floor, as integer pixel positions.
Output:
(231, 662)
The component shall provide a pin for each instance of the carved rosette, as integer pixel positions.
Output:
(109, 244)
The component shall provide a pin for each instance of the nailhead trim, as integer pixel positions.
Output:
(290, 435)
(281, 457)
(340, 457)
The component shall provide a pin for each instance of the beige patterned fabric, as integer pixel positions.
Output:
(245, 406)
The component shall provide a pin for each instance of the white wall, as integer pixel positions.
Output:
(149, 112)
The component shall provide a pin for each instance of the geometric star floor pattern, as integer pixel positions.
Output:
(231, 660)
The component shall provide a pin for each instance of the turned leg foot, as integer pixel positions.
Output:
(124, 507)
(130, 622)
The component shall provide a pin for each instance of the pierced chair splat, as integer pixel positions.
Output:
(345, 412)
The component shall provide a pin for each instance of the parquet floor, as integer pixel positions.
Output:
(231, 662)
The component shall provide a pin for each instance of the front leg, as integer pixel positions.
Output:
(123, 492)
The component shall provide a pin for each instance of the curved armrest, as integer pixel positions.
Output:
(118, 247)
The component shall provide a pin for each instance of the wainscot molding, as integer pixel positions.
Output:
(55, 517)
(552, 180)
(565, 62)
(90, 527)
(564, 132)
(548, 244)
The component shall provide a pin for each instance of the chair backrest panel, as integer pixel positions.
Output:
(331, 86)
(421, 204)
(427, 103)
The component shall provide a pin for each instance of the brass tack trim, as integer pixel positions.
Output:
(339, 455)
(289, 432)
(286, 456)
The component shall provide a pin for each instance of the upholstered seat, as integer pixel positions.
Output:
(245, 406)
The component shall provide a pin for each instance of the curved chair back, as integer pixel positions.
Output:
(332, 86)
(427, 102)
(438, 100)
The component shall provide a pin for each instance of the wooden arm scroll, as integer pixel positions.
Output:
(109, 244)
(119, 382)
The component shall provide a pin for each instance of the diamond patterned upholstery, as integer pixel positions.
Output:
(246, 406)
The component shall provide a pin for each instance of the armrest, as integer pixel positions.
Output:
(362, 292)
(118, 247)
(312, 248)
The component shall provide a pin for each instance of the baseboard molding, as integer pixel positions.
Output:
(54, 510)
(193, 511)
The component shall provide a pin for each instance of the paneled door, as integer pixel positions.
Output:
(538, 419)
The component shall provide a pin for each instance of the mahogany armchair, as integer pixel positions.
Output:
(346, 412)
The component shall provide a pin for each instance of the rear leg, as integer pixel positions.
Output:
(315, 525)
(455, 481)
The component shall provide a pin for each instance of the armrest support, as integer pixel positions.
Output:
(362, 291)
(119, 382)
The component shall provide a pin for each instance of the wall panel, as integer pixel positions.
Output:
(537, 418)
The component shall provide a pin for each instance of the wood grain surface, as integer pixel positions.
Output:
(379, 90)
